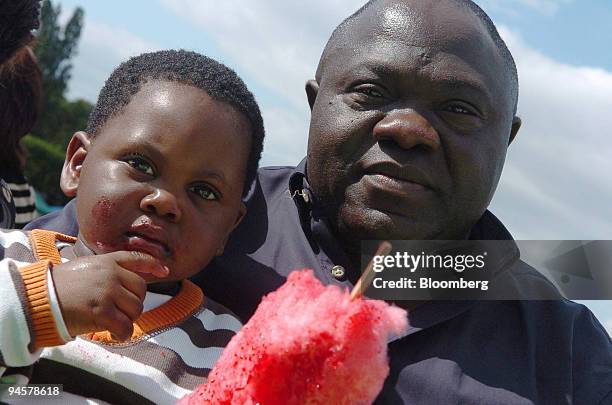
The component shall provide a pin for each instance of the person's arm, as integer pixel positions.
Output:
(45, 304)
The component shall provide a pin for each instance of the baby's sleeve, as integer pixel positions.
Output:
(26, 321)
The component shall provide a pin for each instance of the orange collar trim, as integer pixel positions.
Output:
(170, 313)
(43, 244)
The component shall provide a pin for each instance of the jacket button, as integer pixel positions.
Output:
(338, 272)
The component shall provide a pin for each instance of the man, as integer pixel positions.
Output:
(413, 107)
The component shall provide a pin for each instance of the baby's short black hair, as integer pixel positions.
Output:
(217, 80)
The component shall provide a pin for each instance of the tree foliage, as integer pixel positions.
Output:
(44, 167)
(56, 46)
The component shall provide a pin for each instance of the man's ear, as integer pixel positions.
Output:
(77, 150)
(516, 125)
(312, 89)
(241, 213)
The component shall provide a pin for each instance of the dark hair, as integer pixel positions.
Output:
(20, 101)
(217, 80)
(17, 20)
(479, 13)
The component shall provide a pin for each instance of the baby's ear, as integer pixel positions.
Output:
(76, 152)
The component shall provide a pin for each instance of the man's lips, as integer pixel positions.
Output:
(394, 176)
(394, 184)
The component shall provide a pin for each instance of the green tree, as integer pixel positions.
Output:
(56, 46)
(44, 168)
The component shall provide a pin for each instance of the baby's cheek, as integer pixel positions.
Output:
(193, 256)
(102, 210)
(99, 227)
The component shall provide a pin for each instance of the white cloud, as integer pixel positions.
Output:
(547, 7)
(286, 138)
(556, 182)
(101, 49)
(276, 42)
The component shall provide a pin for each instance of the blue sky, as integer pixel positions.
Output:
(552, 186)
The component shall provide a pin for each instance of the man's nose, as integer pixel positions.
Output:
(163, 203)
(408, 129)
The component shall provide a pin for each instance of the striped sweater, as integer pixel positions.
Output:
(175, 343)
(25, 203)
(24, 198)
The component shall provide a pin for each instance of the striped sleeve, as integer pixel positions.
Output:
(16, 332)
(25, 202)
(26, 321)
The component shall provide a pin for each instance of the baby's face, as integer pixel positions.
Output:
(165, 177)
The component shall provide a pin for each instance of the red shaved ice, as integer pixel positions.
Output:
(306, 344)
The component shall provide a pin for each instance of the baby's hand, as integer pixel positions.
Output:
(104, 292)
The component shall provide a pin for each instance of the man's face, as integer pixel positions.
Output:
(411, 118)
(164, 176)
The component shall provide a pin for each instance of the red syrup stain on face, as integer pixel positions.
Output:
(101, 212)
(102, 216)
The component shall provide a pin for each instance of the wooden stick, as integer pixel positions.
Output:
(368, 274)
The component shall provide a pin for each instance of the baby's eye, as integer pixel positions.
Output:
(140, 163)
(204, 191)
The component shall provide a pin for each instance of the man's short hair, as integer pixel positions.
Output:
(479, 13)
(217, 80)
(17, 20)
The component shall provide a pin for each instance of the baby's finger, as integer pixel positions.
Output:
(120, 325)
(128, 303)
(139, 262)
(134, 283)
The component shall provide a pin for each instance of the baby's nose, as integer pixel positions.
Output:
(163, 203)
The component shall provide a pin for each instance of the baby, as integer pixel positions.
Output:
(171, 146)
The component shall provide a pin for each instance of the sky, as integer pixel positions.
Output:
(556, 182)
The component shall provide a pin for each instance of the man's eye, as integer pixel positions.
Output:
(460, 109)
(205, 192)
(139, 163)
(369, 91)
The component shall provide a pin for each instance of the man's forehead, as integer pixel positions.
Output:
(408, 34)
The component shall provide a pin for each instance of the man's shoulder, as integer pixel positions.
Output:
(559, 326)
(272, 185)
(275, 177)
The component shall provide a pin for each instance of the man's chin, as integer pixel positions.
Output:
(366, 223)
